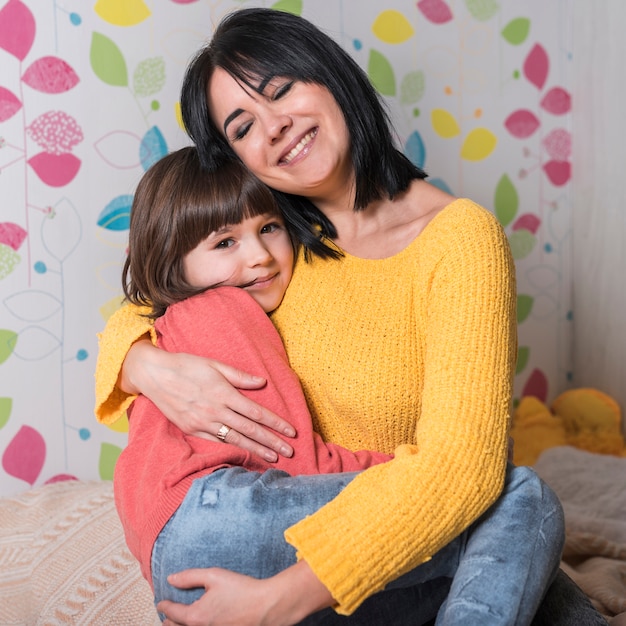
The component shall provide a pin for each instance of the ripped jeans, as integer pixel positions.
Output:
(495, 572)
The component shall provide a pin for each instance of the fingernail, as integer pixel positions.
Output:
(286, 451)
(272, 457)
(290, 432)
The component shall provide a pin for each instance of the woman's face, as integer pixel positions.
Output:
(292, 135)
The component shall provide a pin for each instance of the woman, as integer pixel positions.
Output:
(400, 325)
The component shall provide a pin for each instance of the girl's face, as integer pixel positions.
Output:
(256, 255)
(292, 136)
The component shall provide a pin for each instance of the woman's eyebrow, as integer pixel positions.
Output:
(230, 118)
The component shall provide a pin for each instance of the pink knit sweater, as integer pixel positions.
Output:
(155, 470)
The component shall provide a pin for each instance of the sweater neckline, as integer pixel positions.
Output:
(408, 248)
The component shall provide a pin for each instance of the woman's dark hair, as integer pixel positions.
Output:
(177, 204)
(254, 45)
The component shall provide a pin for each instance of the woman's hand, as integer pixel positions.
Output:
(200, 396)
(235, 600)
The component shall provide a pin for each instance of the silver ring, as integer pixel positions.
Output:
(222, 432)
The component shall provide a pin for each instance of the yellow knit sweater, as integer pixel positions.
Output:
(413, 355)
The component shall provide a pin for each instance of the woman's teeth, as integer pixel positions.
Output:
(299, 147)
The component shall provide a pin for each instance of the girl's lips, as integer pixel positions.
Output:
(301, 148)
(262, 283)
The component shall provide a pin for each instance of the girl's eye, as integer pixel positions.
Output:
(270, 228)
(225, 243)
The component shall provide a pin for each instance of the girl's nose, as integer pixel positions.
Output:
(258, 254)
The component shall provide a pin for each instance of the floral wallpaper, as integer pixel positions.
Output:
(477, 89)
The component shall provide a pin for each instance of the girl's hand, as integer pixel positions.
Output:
(200, 396)
(235, 600)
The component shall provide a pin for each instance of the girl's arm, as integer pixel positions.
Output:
(198, 395)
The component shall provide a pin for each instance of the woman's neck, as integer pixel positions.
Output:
(386, 227)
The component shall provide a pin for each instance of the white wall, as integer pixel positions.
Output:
(599, 197)
(451, 80)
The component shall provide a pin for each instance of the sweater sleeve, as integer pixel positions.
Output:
(124, 327)
(395, 516)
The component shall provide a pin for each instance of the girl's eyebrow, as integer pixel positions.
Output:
(220, 231)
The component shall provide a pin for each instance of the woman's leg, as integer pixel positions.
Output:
(503, 563)
(565, 604)
(511, 556)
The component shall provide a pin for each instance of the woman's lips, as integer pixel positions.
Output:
(299, 148)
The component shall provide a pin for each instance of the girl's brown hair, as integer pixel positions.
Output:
(177, 204)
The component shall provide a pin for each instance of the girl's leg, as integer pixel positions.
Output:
(235, 519)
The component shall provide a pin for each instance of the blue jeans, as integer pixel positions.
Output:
(495, 572)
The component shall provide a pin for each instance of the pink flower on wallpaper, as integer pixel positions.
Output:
(59, 478)
(50, 75)
(435, 11)
(528, 221)
(536, 66)
(522, 123)
(536, 385)
(559, 172)
(557, 101)
(56, 170)
(17, 29)
(12, 235)
(55, 131)
(25, 455)
(558, 144)
(9, 104)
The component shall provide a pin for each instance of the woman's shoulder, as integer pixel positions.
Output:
(429, 204)
(465, 216)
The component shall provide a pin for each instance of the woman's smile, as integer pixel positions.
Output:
(274, 131)
(302, 148)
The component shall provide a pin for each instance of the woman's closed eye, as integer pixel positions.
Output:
(241, 131)
(282, 90)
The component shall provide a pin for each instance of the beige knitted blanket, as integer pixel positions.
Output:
(63, 560)
(592, 489)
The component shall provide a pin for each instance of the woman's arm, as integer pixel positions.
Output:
(198, 395)
(460, 304)
(236, 600)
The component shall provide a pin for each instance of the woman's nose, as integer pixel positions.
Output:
(277, 125)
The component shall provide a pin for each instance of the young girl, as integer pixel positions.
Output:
(209, 256)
